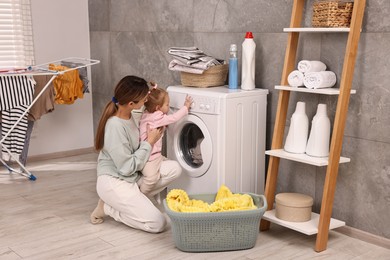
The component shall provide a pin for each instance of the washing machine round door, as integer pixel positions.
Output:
(192, 145)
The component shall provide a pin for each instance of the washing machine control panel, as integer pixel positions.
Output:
(204, 105)
(201, 104)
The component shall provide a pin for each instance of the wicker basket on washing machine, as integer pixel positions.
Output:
(213, 77)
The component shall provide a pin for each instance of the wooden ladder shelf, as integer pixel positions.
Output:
(324, 221)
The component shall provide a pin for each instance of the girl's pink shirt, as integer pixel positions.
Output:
(155, 120)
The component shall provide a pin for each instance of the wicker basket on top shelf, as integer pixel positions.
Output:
(332, 14)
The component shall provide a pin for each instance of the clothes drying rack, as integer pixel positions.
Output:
(41, 69)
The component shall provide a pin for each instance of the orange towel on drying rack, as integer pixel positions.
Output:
(68, 86)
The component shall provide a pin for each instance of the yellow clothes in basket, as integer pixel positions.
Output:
(225, 200)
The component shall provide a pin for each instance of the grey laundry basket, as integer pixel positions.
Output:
(216, 231)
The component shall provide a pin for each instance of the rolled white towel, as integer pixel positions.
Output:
(305, 66)
(321, 79)
(295, 78)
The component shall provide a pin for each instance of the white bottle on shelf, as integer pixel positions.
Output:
(318, 143)
(248, 62)
(296, 140)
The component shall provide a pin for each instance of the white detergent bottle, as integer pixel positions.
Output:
(296, 140)
(318, 144)
(248, 62)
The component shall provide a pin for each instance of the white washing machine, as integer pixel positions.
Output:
(220, 141)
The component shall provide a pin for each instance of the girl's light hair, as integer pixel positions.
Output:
(156, 98)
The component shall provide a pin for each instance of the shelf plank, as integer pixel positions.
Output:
(324, 91)
(303, 158)
(309, 227)
(317, 30)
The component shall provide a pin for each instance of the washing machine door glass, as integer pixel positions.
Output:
(193, 145)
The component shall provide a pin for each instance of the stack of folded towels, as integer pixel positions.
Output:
(312, 74)
(191, 60)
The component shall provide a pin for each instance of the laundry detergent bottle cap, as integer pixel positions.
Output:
(249, 35)
(248, 62)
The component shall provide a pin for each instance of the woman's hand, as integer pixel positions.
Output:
(154, 134)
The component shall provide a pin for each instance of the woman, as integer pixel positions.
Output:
(122, 156)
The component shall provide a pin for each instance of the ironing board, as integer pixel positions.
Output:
(42, 69)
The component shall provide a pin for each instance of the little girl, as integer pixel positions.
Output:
(156, 116)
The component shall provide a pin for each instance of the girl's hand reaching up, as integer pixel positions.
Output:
(188, 102)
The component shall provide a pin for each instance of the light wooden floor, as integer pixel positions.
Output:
(49, 219)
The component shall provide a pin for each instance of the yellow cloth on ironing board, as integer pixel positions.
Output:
(225, 200)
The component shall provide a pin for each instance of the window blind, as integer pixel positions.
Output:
(16, 35)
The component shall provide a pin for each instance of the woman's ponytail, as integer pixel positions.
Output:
(108, 112)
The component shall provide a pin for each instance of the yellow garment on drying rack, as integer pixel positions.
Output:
(225, 200)
(68, 86)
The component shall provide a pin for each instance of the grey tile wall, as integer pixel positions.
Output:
(133, 36)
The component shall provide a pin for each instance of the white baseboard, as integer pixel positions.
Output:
(56, 155)
(364, 236)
